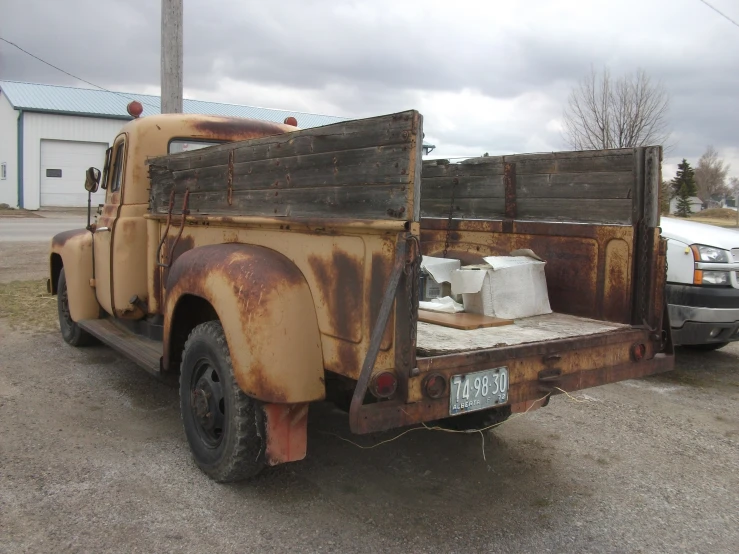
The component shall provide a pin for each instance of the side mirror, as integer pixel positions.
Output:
(92, 179)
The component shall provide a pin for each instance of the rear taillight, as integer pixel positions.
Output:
(638, 351)
(434, 385)
(384, 384)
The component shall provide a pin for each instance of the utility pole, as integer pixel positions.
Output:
(171, 71)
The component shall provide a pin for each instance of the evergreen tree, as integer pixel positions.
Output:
(684, 186)
(683, 202)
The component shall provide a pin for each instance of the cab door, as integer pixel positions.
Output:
(105, 227)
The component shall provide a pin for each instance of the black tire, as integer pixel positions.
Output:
(475, 420)
(71, 332)
(224, 426)
(708, 347)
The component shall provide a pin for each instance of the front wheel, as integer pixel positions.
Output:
(71, 332)
(224, 426)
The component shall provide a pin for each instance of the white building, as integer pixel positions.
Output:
(696, 204)
(49, 136)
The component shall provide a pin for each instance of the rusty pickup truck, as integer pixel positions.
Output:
(268, 267)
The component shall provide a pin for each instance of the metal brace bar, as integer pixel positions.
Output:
(379, 330)
(166, 230)
(185, 211)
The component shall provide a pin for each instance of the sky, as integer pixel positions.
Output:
(488, 76)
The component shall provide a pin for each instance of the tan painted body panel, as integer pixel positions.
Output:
(75, 250)
(267, 313)
(344, 275)
(129, 260)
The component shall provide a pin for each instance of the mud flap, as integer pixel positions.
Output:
(286, 428)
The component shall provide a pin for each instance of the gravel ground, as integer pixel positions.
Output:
(21, 261)
(93, 459)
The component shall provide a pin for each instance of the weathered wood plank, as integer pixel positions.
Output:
(368, 166)
(467, 187)
(557, 185)
(554, 209)
(377, 203)
(576, 209)
(561, 162)
(466, 208)
(601, 184)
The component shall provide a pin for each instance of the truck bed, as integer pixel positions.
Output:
(435, 340)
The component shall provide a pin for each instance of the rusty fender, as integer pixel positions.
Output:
(265, 306)
(73, 251)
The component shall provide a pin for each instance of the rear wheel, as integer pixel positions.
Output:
(224, 426)
(71, 332)
(706, 347)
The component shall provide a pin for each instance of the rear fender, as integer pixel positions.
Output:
(72, 250)
(266, 308)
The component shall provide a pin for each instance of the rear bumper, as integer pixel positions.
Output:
(535, 371)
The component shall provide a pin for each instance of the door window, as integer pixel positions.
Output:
(116, 174)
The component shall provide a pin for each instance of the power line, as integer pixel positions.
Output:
(75, 76)
(720, 13)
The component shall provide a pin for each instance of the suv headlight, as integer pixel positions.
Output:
(716, 278)
(710, 254)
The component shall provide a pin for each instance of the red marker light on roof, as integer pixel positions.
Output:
(134, 108)
(291, 121)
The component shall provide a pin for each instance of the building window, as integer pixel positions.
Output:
(53, 172)
(3, 170)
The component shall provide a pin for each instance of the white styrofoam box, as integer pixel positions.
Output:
(439, 271)
(508, 287)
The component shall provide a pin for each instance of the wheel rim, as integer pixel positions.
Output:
(207, 404)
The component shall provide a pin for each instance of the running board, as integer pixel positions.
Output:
(145, 352)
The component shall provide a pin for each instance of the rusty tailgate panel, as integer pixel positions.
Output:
(536, 371)
(589, 267)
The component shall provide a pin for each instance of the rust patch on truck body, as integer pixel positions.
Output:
(340, 282)
(237, 129)
(60, 239)
(266, 308)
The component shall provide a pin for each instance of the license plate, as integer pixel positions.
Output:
(478, 391)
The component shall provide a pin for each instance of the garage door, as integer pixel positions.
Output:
(63, 166)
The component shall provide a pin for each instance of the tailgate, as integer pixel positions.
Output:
(535, 371)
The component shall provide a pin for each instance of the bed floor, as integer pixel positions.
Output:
(435, 340)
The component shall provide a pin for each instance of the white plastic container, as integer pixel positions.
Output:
(509, 287)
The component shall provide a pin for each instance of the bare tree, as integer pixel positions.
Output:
(605, 113)
(734, 188)
(710, 175)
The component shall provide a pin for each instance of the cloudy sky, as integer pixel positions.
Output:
(489, 76)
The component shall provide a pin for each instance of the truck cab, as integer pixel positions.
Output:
(107, 263)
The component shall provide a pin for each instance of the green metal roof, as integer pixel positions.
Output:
(101, 103)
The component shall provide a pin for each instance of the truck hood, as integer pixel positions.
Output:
(692, 232)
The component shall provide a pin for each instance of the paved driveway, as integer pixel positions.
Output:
(40, 228)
